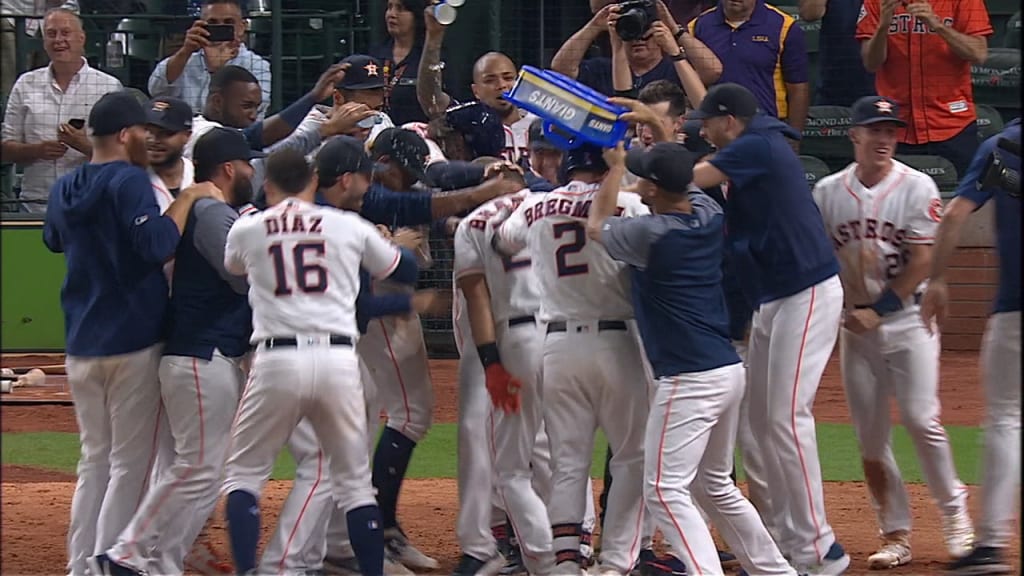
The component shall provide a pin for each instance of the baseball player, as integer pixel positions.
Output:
(303, 264)
(168, 129)
(115, 242)
(994, 174)
(790, 274)
(882, 216)
(201, 377)
(675, 257)
(591, 360)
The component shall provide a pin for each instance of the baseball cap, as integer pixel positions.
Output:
(586, 156)
(874, 109)
(480, 127)
(341, 155)
(364, 73)
(725, 100)
(171, 114)
(114, 112)
(220, 145)
(537, 139)
(667, 164)
(695, 142)
(404, 147)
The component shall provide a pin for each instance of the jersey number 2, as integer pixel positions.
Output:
(570, 247)
(310, 277)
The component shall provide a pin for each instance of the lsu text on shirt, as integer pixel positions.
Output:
(921, 73)
(303, 265)
(871, 227)
(511, 281)
(578, 279)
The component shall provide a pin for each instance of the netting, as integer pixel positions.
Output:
(125, 39)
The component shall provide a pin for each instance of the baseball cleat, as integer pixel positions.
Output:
(203, 559)
(102, 565)
(892, 554)
(727, 560)
(958, 532)
(472, 566)
(835, 562)
(397, 543)
(982, 561)
(651, 564)
(349, 566)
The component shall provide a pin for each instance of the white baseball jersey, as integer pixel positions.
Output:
(303, 265)
(513, 287)
(870, 227)
(517, 138)
(421, 128)
(160, 190)
(577, 278)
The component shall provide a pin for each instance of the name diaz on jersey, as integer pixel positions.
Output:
(291, 223)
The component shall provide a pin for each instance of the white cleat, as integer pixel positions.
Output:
(401, 550)
(890, 555)
(958, 533)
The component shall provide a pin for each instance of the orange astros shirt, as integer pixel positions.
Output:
(931, 84)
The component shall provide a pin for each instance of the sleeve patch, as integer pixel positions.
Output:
(935, 210)
(141, 220)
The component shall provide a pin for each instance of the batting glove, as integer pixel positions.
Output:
(501, 386)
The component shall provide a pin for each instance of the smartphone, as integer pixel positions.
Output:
(221, 32)
(77, 123)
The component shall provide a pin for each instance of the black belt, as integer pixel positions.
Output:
(602, 325)
(917, 300)
(335, 339)
(520, 320)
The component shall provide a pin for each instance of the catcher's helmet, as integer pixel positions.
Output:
(584, 157)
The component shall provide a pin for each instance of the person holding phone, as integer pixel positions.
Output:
(213, 41)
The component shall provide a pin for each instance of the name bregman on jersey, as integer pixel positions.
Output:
(562, 207)
(868, 229)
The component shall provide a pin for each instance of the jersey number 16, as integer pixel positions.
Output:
(310, 276)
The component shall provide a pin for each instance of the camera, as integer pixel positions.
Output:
(635, 19)
(1003, 169)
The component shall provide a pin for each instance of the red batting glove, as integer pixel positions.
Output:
(503, 388)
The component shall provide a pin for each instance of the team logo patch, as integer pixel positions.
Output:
(141, 220)
(371, 69)
(884, 106)
(935, 210)
(160, 106)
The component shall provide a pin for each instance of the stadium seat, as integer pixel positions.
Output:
(814, 169)
(1011, 37)
(142, 39)
(940, 169)
(997, 81)
(989, 121)
(825, 135)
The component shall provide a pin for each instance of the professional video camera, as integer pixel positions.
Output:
(635, 19)
(1003, 169)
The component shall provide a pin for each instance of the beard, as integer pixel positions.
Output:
(172, 158)
(241, 192)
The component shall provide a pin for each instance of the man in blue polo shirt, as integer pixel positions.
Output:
(1000, 350)
(675, 256)
(785, 263)
(759, 45)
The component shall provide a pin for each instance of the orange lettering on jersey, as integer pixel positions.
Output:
(478, 224)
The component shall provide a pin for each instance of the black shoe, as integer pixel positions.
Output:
(727, 559)
(472, 566)
(668, 565)
(102, 565)
(982, 561)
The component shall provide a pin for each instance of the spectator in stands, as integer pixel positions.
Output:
(685, 10)
(758, 45)
(648, 59)
(842, 79)
(921, 56)
(400, 56)
(187, 73)
(41, 129)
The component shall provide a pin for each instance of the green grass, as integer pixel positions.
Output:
(435, 457)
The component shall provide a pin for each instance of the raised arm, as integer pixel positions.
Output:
(567, 60)
(280, 125)
(430, 86)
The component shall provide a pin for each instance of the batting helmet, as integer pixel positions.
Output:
(584, 157)
(480, 127)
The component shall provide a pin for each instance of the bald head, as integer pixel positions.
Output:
(489, 62)
(493, 74)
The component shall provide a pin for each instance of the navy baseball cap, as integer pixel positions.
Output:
(364, 73)
(667, 164)
(341, 155)
(220, 145)
(171, 114)
(726, 100)
(480, 127)
(536, 138)
(406, 148)
(114, 112)
(875, 109)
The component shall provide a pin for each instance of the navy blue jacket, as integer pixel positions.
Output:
(106, 221)
(209, 306)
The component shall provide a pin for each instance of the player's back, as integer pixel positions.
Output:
(303, 264)
(577, 277)
(510, 280)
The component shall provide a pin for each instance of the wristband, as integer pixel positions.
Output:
(488, 354)
(680, 32)
(678, 57)
(887, 303)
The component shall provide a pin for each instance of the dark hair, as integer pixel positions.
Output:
(664, 91)
(417, 7)
(229, 75)
(288, 170)
(239, 3)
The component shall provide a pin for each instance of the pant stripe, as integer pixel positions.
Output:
(792, 420)
(657, 480)
(398, 373)
(302, 512)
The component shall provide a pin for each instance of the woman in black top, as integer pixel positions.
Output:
(401, 57)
